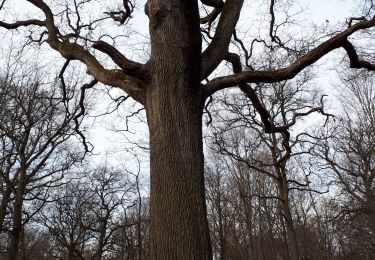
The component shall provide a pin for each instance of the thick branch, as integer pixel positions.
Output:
(128, 66)
(211, 16)
(218, 7)
(234, 59)
(116, 78)
(18, 24)
(355, 62)
(268, 124)
(213, 3)
(72, 51)
(218, 48)
(271, 76)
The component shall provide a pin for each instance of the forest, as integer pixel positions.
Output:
(171, 129)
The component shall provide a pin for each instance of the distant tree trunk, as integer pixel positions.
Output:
(285, 209)
(4, 204)
(270, 238)
(174, 105)
(371, 221)
(102, 233)
(71, 255)
(249, 226)
(283, 195)
(246, 200)
(261, 231)
(15, 233)
(140, 249)
(222, 238)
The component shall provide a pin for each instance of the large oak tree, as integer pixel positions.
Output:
(174, 85)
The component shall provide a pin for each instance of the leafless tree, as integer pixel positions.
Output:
(68, 220)
(173, 88)
(110, 192)
(240, 134)
(131, 241)
(35, 131)
(244, 219)
(88, 215)
(349, 153)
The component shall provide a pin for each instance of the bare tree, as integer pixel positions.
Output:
(86, 216)
(171, 87)
(244, 219)
(131, 241)
(67, 220)
(239, 134)
(350, 152)
(110, 193)
(37, 128)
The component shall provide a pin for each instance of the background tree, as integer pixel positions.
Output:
(110, 192)
(239, 133)
(67, 220)
(35, 132)
(131, 241)
(349, 154)
(87, 216)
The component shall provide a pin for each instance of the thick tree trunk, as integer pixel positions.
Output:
(179, 227)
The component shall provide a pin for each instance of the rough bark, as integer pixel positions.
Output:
(179, 227)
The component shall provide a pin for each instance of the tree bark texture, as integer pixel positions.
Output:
(179, 227)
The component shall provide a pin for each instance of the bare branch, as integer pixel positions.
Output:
(82, 112)
(211, 16)
(73, 51)
(213, 3)
(122, 16)
(289, 72)
(218, 48)
(218, 7)
(18, 24)
(355, 62)
(128, 66)
(2, 4)
(274, 38)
